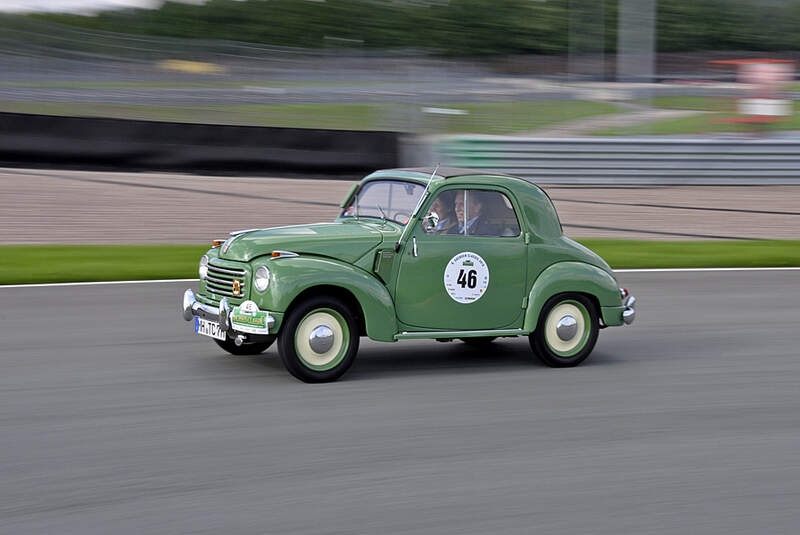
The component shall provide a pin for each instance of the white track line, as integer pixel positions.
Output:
(99, 283)
(643, 270)
(699, 270)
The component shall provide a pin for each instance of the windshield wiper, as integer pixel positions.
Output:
(383, 214)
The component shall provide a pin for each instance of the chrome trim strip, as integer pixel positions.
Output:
(283, 254)
(459, 334)
(239, 273)
(237, 232)
(226, 282)
(218, 291)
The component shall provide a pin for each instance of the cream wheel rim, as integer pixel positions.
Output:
(573, 317)
(307, 336)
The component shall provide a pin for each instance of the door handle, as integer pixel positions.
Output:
(414, 243)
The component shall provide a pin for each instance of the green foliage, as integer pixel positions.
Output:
(456, 27)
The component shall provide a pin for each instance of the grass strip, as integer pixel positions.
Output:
(721, 113)
(478, 117)
(29, 264)
(630, 254)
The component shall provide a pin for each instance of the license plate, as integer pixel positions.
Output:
(208, 328)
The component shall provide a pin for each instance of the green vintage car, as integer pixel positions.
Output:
(440, 253)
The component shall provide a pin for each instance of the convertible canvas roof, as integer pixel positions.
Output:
(449, 172)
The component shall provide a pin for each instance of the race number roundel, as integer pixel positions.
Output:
(466, 277)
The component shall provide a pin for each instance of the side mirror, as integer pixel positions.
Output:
(430, 221)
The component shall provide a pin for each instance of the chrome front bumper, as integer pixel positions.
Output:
(191, 308)
(629, 314)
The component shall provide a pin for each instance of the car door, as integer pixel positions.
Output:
(456, 278)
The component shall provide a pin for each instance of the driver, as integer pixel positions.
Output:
(478, 223)
(443, 206)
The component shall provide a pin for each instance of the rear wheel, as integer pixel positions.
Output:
(566, 332)
(319, 340)
(245, 349)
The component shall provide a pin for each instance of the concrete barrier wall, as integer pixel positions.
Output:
(44, 140)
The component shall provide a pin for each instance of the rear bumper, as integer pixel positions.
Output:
(629, 314)
(191, 308)
(624, 314)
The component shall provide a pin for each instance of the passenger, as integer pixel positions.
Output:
(478, 223)
(443, 206)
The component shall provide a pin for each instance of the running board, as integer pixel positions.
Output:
(405, 335)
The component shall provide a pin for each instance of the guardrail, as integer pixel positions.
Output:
(629, 160)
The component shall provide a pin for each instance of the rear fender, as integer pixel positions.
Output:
(570, 277)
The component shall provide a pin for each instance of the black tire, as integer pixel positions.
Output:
(294, 345)
(550, 347)
(245, 349)
(481, 342)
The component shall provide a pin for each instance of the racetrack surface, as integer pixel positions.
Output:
(116, 418)
(56, 206)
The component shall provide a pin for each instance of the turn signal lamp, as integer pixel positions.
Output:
(217, 243)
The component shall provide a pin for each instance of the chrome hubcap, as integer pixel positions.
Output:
(567, 328)
(321, 339)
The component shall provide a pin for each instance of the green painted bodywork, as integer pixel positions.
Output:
(400, 295)
(570, 277)
(344, 240)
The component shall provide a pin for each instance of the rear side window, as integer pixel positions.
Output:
(472, 212)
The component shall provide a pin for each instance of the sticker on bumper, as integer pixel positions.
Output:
(247, 318)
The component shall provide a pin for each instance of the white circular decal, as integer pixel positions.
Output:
(466, 277)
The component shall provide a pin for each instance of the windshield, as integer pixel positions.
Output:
(392, 199)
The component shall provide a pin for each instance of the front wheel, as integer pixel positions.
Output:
(319, 340)
(245, 349)
(566, 332)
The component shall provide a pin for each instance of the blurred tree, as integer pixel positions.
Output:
(454, 27)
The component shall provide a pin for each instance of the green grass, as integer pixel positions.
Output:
(26, 264)
(622, 254)
(719, 111)
(689, 103)
(482, 118)
(82, 84)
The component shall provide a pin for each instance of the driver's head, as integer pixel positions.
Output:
(475, 206)
(443, 204)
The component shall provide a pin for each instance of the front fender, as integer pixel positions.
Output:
(294, 275)
(572, 277)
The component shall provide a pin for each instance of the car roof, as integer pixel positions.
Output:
(448, 172)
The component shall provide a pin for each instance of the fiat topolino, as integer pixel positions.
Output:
(446, 254)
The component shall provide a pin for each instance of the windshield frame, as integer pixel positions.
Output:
(356, 215)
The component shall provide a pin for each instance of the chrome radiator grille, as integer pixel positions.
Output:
(226, 282)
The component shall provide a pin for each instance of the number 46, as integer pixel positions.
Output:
(468, 280)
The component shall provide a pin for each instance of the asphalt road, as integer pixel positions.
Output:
(116, 418)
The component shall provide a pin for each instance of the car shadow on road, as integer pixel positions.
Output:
(428, 356)
(425, 357)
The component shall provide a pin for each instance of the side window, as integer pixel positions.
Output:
(487, 213)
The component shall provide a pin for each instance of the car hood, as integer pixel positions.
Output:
(347, 241)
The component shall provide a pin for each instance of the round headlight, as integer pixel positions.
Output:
(203, 271)
(261, 280)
